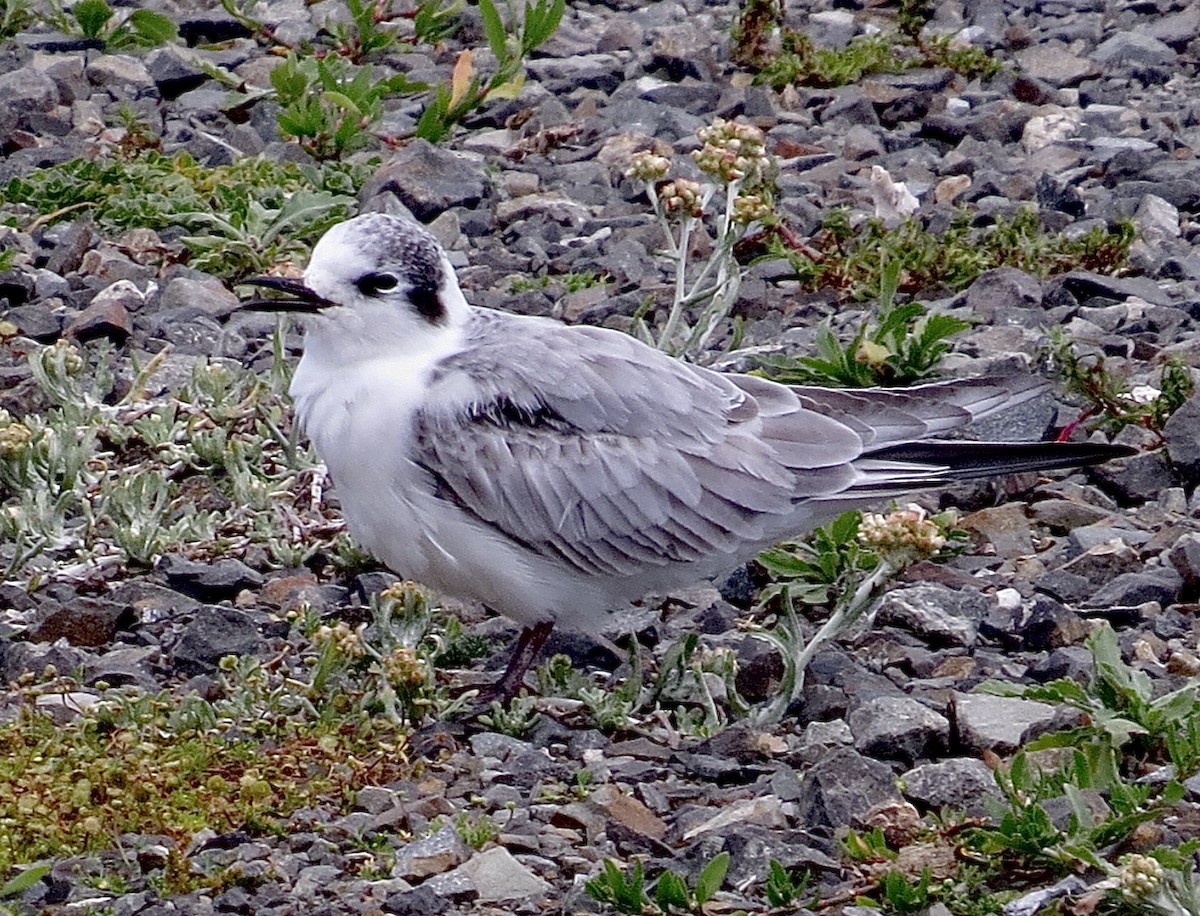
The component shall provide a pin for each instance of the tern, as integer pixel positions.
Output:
(554, 472)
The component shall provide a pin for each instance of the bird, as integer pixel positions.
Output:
(556, 472)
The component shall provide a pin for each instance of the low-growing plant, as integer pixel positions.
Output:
(1110, 403)
(850, 260)
(1123, 713)
(903, 344)
(785, 887)
(249, 214)
(15, 15)
(844, 564)
(516, 718)
(132, 762)
(96, 20)
(627, 893)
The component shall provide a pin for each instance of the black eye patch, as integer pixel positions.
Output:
(374, 284)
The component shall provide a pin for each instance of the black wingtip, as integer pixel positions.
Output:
(965, 460)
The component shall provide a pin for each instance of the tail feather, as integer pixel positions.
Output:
(966, 460)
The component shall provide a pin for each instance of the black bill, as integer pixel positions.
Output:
(296, 296)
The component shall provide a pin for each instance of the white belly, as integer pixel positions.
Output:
(361, 427)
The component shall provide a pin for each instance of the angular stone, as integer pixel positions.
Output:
(898, 728)
(999, 724)
(1005, 527)
(959, 783)
(432, 855)
(628, 812)
(214, 633)
(428, 180)
(842, 787)
(944, 615)
(1159, 584)
(1182, 432)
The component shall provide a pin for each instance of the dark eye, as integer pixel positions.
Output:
(374, 284)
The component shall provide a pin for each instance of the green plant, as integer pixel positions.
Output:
(627, 893)
(783, 888)
(253, 212)
(93, 19)
(903, 345)
(1111, 403)
(1121, 708)
(15, 15)
(330, 105)
(516, 719)
(467, 90)
(844, 564)
(899, 894)
(734, 159)
(476, 832)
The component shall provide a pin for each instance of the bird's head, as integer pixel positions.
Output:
(373, 282)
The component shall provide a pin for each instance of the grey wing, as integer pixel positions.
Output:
(584, 445)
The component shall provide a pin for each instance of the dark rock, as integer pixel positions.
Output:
(898, 728)
(428, 180)
(84, 622)
(1182, 432)
(960, 784)
(1050, 625)
(1184, 557)
(420, 901)
(1129, 589)
(212, 634)
(208, 581)
(1137, 478)
(946, 616)
(842, 787)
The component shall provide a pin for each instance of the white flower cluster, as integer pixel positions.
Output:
(733, 152)
(15, 436)
(909, 529)
(682, 196)
(647, 166)
(1139, 876)
(348, 642)
(404, 668)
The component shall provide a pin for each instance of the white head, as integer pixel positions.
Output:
(375, 285)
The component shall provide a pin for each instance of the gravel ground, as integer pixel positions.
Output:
(1094, 118)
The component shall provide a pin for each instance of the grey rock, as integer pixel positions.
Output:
(420, 901)
(121, 74)
(999, 724)
(209, 581)
(944, 615)
(432, 855)
(212, 634)
(1133, 47)
(498, 877)
(173, 71)
(1053, 63)
(1005, 295)
(1182, 432)
(959, 783)
(428, 180)
(1050, 625)
(1139, 477)
(898, 728)
(208, 294)
(1184, 557)
(23, 93)
(1159, 583)
(842, 787)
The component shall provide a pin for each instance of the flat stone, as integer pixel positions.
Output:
(944, 615)
(432, 855)
(898, 728)
(959, 783)
(1005, 527)
(499, 877)
(999, 724)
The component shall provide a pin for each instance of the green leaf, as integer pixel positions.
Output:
(25, 880)
(92, 15)
(671, 893)
(493, 29)
(711, 877)
(153, 28)
(541, 21)
(433, 125)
